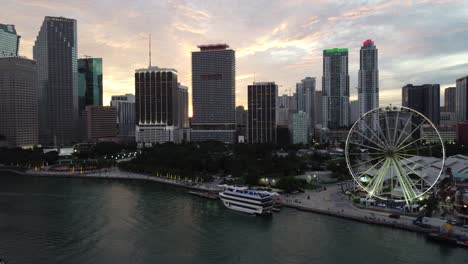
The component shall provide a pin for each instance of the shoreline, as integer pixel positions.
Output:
(329, 206)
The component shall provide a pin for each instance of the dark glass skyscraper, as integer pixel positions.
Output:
(461, 106)
(261, 116)
(450, 100)
(9, 41)
(335, 89)
(424, 99)
(89, 82)
(213, 86)
(55, 53)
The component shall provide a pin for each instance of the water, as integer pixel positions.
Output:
(47, 220)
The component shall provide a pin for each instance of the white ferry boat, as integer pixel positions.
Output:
(247, 200)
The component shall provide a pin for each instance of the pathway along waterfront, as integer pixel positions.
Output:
(58, 220)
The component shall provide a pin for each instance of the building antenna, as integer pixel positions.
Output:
(149, 53)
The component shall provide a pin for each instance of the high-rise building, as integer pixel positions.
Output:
(368, 83)
(241, 122)
(9, 41)
(156, 106)
(125, 108)
(424, 99)
(89, 82)
(55, 52)
(335, 89)
(213, 93)
(354, 109)
(305, 91)
(318, 108)
(99, 122)
(462, 99)
(299, 128)
(450, 99)
(18, 101)
(183, 106)
(261, 124)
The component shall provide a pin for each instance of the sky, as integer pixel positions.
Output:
(419, 41)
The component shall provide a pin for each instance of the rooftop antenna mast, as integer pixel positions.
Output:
(149, 53)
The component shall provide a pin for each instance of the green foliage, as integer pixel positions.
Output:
(21, 157)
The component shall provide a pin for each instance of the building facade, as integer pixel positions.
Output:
(89, 82)
(318, 109)
(9, 41)
(424, 99)
(261, 121)
(55, 52)
(183, 102)
(99, 122)
(241, 123)
(354, 110)
(368, 81)
(335, 89)
(213, 93)
(462, 99)
(156, 106)
(18, 101)
(450, 99)
(125, 108)
(305, 91)
(448, 119)
(299, 128)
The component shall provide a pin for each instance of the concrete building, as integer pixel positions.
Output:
(9, 41)
(299, 128)
(462, 99)
(335, 89)
(213, 93)
(89, 82)
(368, 81)
(447, 133)
(354, 107)
(424, 99)
(448, 119)
(261, 116)
(305, 91)
(450, 99)
(99, 122)
(18, 101)
(55, 52)
(125, 108)
(241, 123)
(462, 133)
(318, 109)
(183, 106)
(156, 106)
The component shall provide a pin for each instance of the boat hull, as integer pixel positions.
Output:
(245, 208)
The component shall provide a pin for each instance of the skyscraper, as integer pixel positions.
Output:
(424, 99)
(156, 104)
(354, 107)
(125, 108)
(89, 82)
(99, 122)
(241, 122)
(462, 99)
(18, 101)
(305, 91)
(183, 106)
(450, 100)
(368, 82)
(299, 128)
(9, 41)
(318, 108)
(261, 124)
(213, 96)
(55, 52)
(335, 89)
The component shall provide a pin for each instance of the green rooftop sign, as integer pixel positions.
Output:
(335, 50)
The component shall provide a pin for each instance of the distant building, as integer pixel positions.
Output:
(450, 99)
(462, 99)
(354, 111)
(318, 109)
(285, 107)
(335, 89)
(9, 41)
(125, 107)
(448, 119)
(99, 122)
(299, 128)
(368, 82)
(156, 106)
(18, 101)
(462, 133)
(261, 121)
(424, 99)
(183, 106)
(305, 91)
(89, 82)
(213, 93)
(447, 133)
(55, 52)
(241, 121)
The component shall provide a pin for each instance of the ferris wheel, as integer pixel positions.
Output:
(396, 153)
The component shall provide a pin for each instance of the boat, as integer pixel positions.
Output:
(448, 239)
(246, 200)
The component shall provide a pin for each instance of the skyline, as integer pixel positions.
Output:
(427, 49)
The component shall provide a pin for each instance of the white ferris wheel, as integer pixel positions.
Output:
(395, 153)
